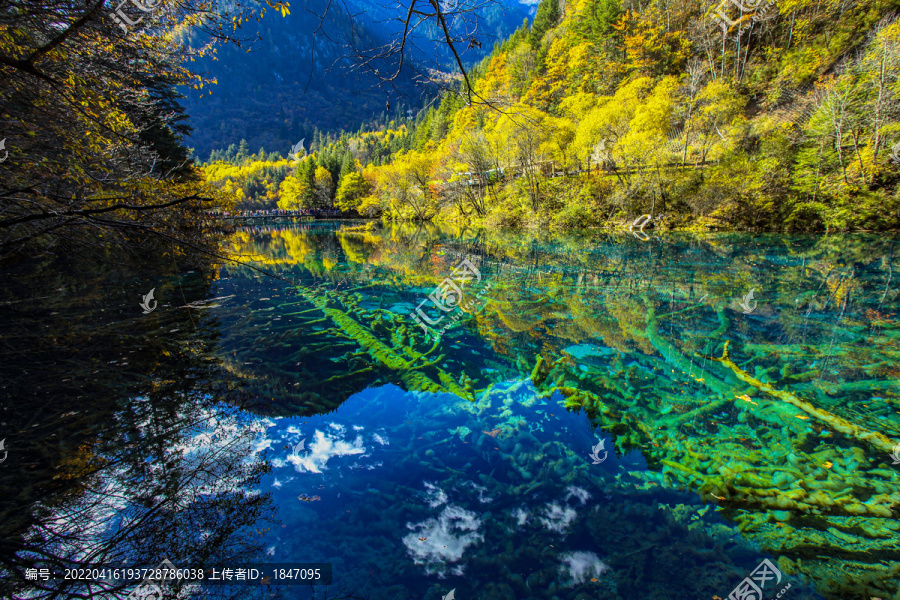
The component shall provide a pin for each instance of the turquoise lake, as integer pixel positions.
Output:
(453, 413)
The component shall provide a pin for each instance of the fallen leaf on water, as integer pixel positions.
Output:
(594, 579)
(423, 539)
(493, 432)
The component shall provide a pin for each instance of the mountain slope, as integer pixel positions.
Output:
(293, 80)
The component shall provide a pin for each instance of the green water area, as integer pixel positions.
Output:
(505, 414)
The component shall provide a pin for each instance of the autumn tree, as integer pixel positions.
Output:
(293, 194)
(352, 190)
(324, 187)
(91, 125)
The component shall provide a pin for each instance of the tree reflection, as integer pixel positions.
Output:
(787, 437)
(126, 440)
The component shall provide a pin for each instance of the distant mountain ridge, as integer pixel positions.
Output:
(293, 81)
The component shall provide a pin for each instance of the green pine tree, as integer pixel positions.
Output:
(547, 16)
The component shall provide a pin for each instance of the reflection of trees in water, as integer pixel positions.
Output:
(629, 331)
(125, 448)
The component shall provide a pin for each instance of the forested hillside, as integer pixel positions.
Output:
(764, 116)
(301, 74)
(332, 174)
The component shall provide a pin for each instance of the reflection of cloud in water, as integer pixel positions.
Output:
(576, 492)
(277, 483)
(435, 495)
(262, 444)
(448, 536)
(368, 467)
(581, 566)
(481, 492)
(521, 516)
(324, 448)
(558, 518)
(379, 439)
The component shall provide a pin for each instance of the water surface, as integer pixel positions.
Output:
(567, 428)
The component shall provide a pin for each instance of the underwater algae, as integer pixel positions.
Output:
(874, 438)
(802, 487)
(496, 499)
(825, 506)
(826, 509)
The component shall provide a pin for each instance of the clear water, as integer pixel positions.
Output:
(460, 458)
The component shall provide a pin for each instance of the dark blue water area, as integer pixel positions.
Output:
(415, 495)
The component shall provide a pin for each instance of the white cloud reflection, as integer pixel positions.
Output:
(436, 542)
(521, 516)
(323, 448)
(581, 566)
(576, 492)
(557, 518)
(435, 496)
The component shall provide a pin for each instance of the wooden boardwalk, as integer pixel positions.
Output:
(291, 217)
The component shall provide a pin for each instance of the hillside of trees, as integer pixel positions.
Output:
(302, 73)
(92, 134)
(770, 116)
(330, 175)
